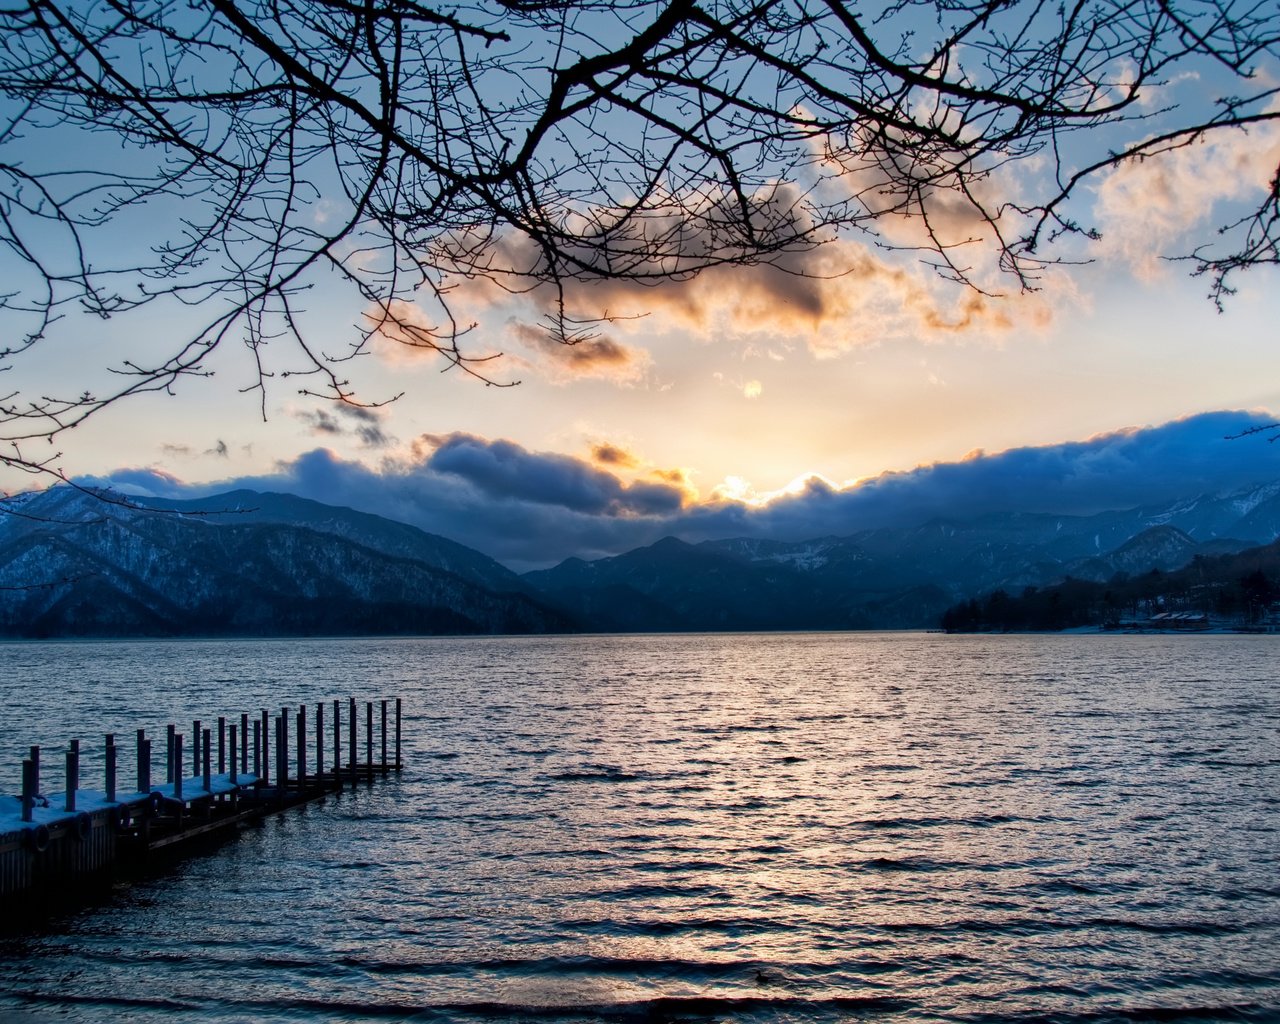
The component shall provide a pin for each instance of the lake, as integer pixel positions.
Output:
(781, 827)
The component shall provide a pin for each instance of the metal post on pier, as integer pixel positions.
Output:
(196, 733)
(110, 757)
(73, 774)
(35, 768)
(257, 749)
(222, 744)
(397, 734)
(384, 737)
(244, 743)
(169, 762)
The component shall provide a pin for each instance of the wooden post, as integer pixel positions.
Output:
(195, 747)
(337, 745)
(235, 761)
(144, 763)
(384, 737)
(222, 745)
(110, 755)
(368, 739)
(208, 760)
(35, 768)
(397, 734)
(73, 774)
(266, 745)
(320, 742)
(169, 773)
(28, 788)
(257, 749)
(302, 747)
(282, 756)
(351, 741)
(144, 769)
(244, 743)
(177, 759)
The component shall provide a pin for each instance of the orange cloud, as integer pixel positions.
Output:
(832, 296)
(611, 455)
(599, 356)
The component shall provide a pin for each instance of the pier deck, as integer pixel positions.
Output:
(71, 842)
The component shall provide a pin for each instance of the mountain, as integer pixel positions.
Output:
(1160, 547)
(398, 540)
(74, 564)
(896, 577)
(674, 585)
(1240, 590)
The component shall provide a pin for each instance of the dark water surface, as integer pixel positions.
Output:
(866, 827)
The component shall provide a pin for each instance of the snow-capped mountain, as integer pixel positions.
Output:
(81, 563)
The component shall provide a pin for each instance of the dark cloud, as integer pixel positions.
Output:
(220, 449)
(597, 356)
(366, 425)
(530, 509)
(611, 455)
(505, 471)
(321, 421)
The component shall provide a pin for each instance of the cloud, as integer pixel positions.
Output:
(363, 423)
(611, 455)
(530, 509)
(1145, 208)
(505, 471)
(599, 356)
(831, 293)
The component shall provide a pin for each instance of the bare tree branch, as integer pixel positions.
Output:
(386, 150)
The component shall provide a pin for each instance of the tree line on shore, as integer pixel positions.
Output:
(1240, 589)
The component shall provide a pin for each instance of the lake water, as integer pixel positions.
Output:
(867, 827)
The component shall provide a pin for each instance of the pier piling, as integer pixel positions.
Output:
(208, 774)
(28, 788)
(109, 766)
(73, 774)
(235, 775)
(368, 740)
(302, 746)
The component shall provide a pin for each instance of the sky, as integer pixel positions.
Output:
(750, 401)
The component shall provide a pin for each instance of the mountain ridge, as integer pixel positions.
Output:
(78, 562)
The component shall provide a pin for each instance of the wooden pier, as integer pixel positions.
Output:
(216, 779)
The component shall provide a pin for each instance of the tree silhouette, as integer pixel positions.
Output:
(231, 155)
